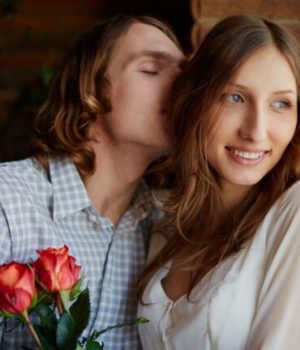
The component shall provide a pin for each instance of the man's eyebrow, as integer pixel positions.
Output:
(159, 55)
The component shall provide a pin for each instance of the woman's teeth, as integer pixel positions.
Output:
(247, 155)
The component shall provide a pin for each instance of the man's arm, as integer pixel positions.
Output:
(5, 239)
(5, 246)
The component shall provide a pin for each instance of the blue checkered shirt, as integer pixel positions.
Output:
(40, 209)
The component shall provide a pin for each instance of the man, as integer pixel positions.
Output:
(102, 125)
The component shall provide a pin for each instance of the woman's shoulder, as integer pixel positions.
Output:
(282, 223)
(287, 205)
(291, 196)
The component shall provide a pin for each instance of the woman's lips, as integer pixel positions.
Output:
(246, 156)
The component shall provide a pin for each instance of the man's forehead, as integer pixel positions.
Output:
(155, 54)
(143, 37)
(143, 40)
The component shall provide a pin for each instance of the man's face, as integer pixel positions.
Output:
(141, 70)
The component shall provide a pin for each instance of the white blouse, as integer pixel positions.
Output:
(249, 301)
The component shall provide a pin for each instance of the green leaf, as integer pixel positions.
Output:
(46, 74)
(78, 347)
(46, 337)
(47, 328)
(94, 345)
(140, 320)
(45, 297)
(65, 332)
(65, 298)
(75, 291)
(72, 323)
(80, 312)
(47, 316)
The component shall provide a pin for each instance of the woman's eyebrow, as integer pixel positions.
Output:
(239, 86)
(243, 87)
(285, 92)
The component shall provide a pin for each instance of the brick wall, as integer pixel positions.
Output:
(207, 12)
(36, 35)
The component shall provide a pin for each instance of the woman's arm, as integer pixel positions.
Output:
(276, 324)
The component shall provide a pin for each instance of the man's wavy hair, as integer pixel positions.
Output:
(78, 93)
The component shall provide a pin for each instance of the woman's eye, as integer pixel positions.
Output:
(281, 104)
(233, 98)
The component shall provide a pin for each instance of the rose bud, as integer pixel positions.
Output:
(17, 288)
(56, 270)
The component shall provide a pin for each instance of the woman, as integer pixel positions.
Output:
(226, 272)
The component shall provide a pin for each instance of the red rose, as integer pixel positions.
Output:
(17, 287)
(56, 270)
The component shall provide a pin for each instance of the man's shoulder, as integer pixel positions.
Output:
(22, 176)
(20, 167)
(156, 214)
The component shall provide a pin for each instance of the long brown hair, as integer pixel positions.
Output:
(198, 234)
(78, 93)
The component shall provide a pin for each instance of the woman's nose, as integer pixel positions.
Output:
(254, 125)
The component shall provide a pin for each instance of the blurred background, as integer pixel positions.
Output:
(35, 34)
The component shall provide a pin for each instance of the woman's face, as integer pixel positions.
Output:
(256, 117)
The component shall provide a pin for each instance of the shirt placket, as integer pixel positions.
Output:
(100, 283)
(165, 325)
(106, 281)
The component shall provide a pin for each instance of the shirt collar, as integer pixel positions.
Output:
(142, 203)
(69, 193)
(70, 196)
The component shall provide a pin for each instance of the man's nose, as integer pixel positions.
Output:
(254, 126)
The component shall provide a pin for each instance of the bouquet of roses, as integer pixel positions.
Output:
(51, 287)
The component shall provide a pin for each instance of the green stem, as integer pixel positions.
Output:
(58, 303)
(139, 320)
(31, 329)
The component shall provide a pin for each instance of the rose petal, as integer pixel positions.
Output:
(27, 281)
(15, 300)
(56, 270)
(10, 273)
(69, 274)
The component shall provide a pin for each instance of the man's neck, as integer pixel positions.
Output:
(118, 173)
